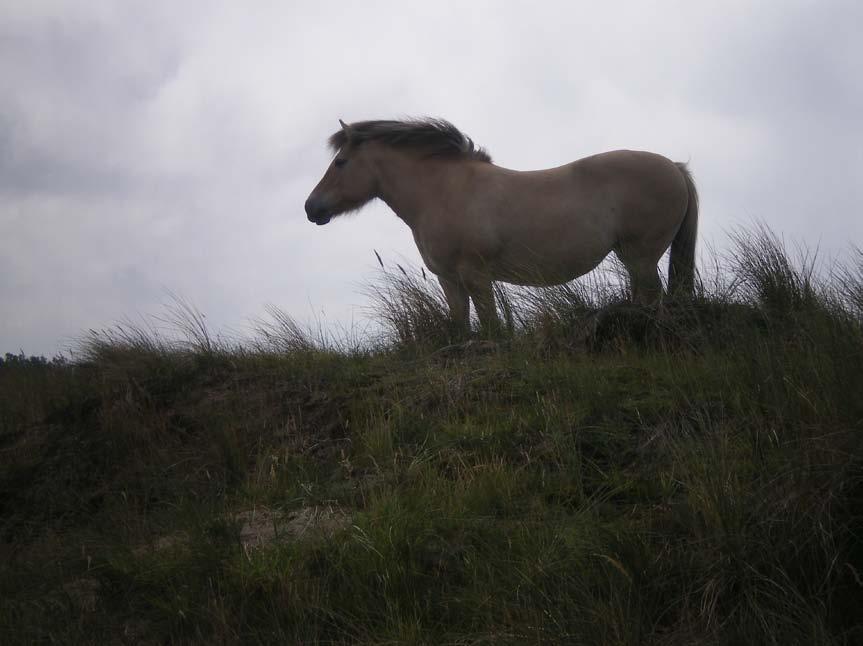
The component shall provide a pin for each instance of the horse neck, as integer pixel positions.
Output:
(411, 185)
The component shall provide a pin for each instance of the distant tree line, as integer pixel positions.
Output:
(21, 359)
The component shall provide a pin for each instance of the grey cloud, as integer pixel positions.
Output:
(798, 63)
(74, 93)
(88, 60)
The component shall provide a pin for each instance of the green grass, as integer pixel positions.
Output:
(599, 474)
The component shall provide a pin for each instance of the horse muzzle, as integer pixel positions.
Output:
(317, 212)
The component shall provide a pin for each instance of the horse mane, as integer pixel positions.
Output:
(435, 137)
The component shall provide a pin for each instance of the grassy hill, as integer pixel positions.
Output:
(596, 474)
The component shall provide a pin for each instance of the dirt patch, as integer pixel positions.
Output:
(84, 593)
(262, 526)
(162, 543)
(138, 632)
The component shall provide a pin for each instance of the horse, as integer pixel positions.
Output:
(475, 222)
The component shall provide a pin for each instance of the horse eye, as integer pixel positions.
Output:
(340, 162)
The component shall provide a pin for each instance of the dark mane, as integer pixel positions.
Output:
(435, 137)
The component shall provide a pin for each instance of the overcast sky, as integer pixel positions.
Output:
(149, 146)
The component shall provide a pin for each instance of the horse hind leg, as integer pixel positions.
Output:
(644, 280)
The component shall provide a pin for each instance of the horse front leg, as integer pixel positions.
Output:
(482, 294)
(459, 305)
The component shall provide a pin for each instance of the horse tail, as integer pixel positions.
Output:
(681, 260)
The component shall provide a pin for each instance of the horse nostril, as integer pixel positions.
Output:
(311, 207)
(317, 212)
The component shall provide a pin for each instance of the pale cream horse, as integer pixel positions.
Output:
(475, 222)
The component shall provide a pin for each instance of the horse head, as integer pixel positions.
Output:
(349, 182)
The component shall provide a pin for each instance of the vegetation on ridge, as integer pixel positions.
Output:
(599, 474)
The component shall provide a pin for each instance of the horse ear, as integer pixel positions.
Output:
(345, 127)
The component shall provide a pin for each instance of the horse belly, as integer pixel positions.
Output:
(554, 250)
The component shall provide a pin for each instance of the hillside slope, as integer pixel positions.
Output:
(599, 474)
